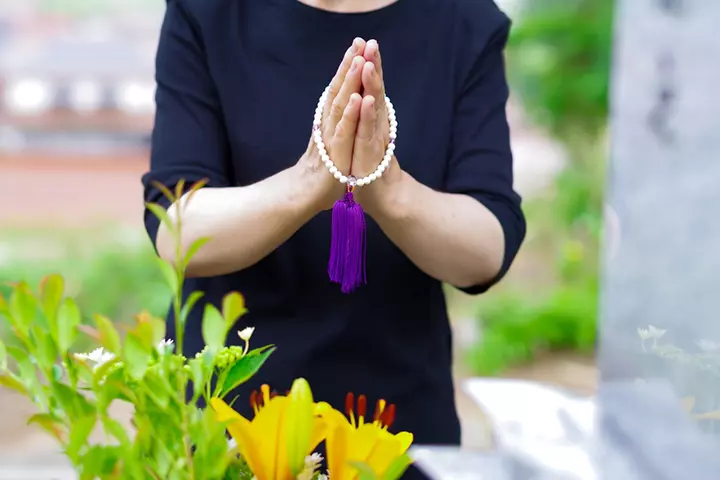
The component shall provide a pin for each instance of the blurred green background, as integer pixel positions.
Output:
(558, 61)
(559, 58)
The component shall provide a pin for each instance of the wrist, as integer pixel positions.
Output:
(389, 196)
(315, 184)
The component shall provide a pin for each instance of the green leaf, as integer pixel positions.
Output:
(158, 327)
(194, 249)
(3, 356)
(45, 350)
(144, 331)
(169, 274)
(51, 293)
(109, 337)
(73, 402)
(161, 214)
(244, 369)
(101, 372)
(214, 330)
(68, 321)
(233, 307)
(50, 424)
(57, 372)
(116, 430)
(189, 304)
(159, 395)
(51, 290)
(198, 376)
(136, 356)
(71, 368)
(23, 308)
(365, 472)
(398, 467)
(170, 196)
(79, 434)
(3, 305)
(27, 373)
(194, 188)
(8, 380)
(101, 461)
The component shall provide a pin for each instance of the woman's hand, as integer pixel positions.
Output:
(339, 126)
(373, 132)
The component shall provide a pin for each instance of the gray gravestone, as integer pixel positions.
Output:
(660, 307)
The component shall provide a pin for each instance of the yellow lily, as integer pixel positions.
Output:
(284, 430)
(352, 439)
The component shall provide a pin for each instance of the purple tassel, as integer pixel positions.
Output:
(347, 249)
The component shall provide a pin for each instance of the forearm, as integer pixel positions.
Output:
(243, 224)
(451, 237)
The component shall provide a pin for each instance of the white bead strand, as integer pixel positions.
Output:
(322, 150)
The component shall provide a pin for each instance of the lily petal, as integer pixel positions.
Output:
(386, 450)
(363, 441)
(332, 416)
(406, 439)
(241, 430)
(319, 432)
(337, 444)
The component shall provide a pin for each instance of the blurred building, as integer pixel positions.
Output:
(77, 75)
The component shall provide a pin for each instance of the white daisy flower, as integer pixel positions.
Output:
(312, 463)
(98, 357)
(164, 346)
(246, 333)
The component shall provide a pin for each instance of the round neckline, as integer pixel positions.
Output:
(319, 14)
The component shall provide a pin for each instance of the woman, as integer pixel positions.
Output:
(238, 83)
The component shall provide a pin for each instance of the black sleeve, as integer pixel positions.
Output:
(189, 139)
(480, 163)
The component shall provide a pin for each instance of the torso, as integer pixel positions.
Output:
(270, 61)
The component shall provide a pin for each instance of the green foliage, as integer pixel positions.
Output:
(171, 438)
(559, 59)
(517, 329)
(559, 63)
(518, 324)
(117, 282)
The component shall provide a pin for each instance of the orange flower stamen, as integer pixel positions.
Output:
(265, 389)
(254, 401)
(379, 409)
(361, 409)
(388, 416)
(350, 407)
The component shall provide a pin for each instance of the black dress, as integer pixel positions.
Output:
(238, 81)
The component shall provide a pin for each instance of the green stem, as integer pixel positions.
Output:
(180, 337)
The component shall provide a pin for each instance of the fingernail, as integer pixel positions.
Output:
(356, 44)
(353, 67)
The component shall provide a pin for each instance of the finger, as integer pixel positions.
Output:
(373, 86)
(344, 135)
(352, 84)
(372, 54)
(368, 118)
(357, 48)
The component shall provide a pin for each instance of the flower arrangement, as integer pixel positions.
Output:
(170, 436)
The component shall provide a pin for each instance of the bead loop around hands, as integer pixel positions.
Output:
(350, 180)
